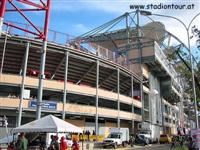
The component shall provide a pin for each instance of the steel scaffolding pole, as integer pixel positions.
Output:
(65, 84)
(140, 62)
(23, 85)
(97, 99)
(4, 50)
(2, 12)
(42, 62)
(118, 102)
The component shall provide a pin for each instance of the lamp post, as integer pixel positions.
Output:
(147, 13)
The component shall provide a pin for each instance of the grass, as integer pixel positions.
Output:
(184, 147)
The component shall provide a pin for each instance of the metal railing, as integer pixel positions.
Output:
(162, 58)
(53, 36)
(65, 39)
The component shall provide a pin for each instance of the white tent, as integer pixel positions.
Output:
(49, 124)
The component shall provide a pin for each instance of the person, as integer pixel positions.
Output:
(75, 145)
(173, 145)
(93, 133)
(131, 141)
(191, 144)
(11, 146)
(23, 142)
(17, 144)
(56, 144)
(63, 143)
(88, 135)
(51, 143)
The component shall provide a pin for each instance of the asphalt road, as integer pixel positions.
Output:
(154, 147)
(149, 147)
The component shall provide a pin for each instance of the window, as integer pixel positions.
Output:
(137, 110)
(146, 101)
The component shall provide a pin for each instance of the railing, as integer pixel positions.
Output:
(162, 58)
(65, 39)
(53, 36)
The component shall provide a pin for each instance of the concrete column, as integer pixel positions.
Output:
(23, 85)
(97, 99)
(65, 84)
(41, 80)
(118, 102)
(132, 104)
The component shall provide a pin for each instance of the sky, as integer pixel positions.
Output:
(75, 17)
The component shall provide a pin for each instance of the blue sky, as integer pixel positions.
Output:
(76, 17)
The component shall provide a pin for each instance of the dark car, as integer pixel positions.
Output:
(141, 139)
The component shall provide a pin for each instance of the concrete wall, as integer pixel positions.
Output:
(55, 85)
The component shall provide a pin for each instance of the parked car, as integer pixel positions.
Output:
(141, 139)
(165, 138)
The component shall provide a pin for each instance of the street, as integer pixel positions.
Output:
(149, 147)
(154, 147)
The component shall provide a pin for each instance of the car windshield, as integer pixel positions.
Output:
(114, 136)
(144, 132)
(141, 136)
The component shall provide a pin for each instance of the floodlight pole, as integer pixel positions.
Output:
(147, 13)
(42, 62)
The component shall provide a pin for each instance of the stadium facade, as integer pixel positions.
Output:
(103, 89)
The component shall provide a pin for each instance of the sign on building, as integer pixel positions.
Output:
(26, 94)
(45, 105)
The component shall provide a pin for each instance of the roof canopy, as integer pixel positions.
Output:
(50, 124)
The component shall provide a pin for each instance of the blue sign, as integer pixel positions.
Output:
(45, 105)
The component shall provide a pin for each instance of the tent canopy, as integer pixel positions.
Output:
(49, 124)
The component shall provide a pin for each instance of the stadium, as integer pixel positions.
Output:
(90, 83)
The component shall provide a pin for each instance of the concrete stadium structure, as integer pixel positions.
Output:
(102, 89)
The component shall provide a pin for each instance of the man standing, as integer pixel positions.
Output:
(23, 142)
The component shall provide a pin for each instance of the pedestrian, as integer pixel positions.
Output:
(88, 135)
(93, 133)
(17, 144)
(23, 142)
(11, 146)
(173, 142)
(52, 143)
(131, 141)
(75, 145)
(56, 144)
(63, 143)
(191, 144)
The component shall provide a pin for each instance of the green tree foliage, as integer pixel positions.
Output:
(181, 63)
